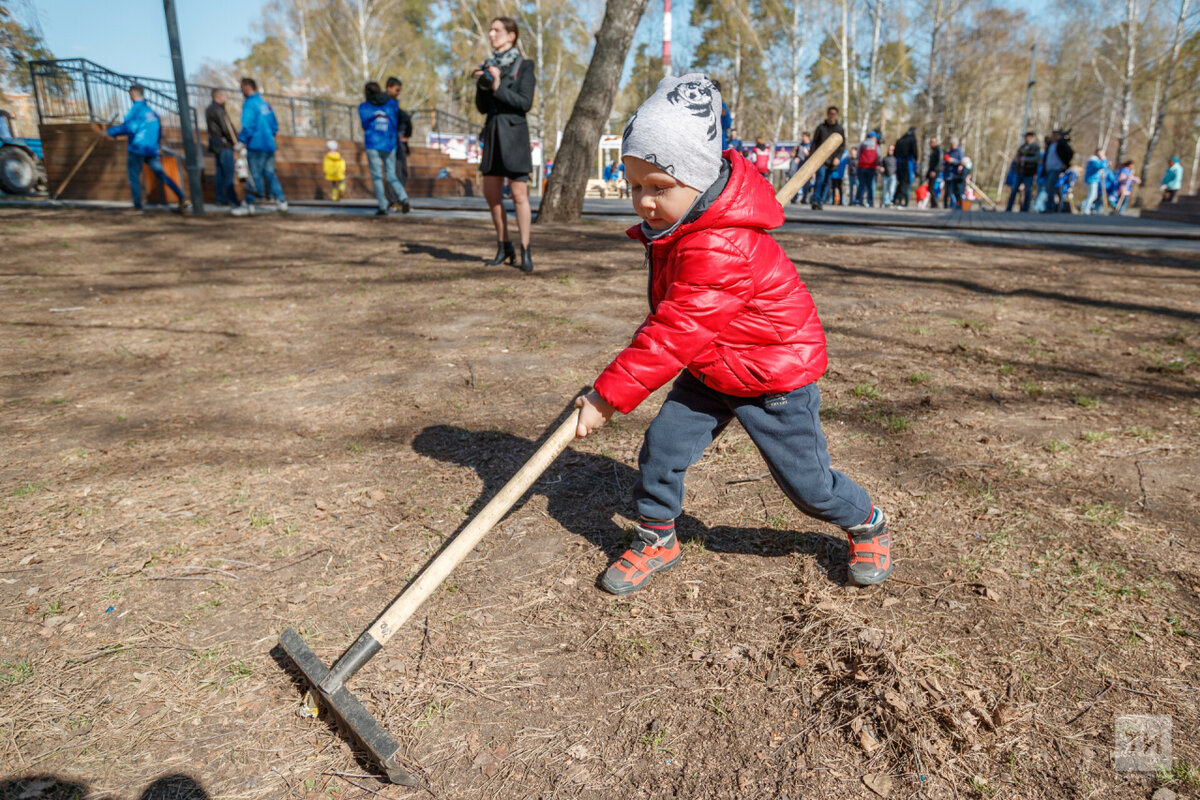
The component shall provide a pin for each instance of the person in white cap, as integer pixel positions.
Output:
(728, 309)
(335, 170)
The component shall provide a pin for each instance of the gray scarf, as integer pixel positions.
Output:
(505, 60)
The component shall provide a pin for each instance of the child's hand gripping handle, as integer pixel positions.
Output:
(594, 411)
(809, 168)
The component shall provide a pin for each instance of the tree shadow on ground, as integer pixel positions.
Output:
(440, 253)
(980, 288)
(584, 492)
(55, 787)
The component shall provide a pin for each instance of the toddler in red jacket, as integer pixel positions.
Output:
(729, 316)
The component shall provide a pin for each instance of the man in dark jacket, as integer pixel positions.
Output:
(221, 138)
(933, 170)
(1055, 161)
(826, 129)
(908, 158)
(1025, 166)
(404, 130)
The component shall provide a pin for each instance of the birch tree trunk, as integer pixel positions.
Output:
(737, 76)
(364, 57)
(1195, 166)
(541, 96)
(1162, 100)
(563, 199)
(869, 105)
(1131, 28)
(799, 38)
(931, 70)
(845, 54)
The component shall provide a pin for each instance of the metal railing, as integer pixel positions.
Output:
(80, 90)
(77, 90)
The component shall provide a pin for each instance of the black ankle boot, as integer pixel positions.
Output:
(504, 252)
(526, 264)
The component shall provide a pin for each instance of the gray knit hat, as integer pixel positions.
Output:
(678, 129)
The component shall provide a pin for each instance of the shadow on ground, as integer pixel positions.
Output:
(56, 787)
(584, 492)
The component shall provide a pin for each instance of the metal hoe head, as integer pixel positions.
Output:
(348, 710)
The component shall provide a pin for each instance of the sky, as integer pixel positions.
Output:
(130, 36)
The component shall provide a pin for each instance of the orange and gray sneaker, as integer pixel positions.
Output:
(870, 550)
(651, 552)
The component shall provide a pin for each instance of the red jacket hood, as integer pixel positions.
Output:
(747, 201)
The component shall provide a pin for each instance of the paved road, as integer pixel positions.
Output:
(1072, 231)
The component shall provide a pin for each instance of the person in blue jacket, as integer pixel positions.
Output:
(259, 127)
(380, 116)
(1095, 175)
(953, 177)
(144, 130)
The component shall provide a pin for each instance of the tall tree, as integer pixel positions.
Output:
(563, 200)
(1163, 100)
(1129, 31)
(19, 44)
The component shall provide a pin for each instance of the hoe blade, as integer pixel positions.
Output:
(348, 710)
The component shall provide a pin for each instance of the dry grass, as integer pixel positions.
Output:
(283, 428)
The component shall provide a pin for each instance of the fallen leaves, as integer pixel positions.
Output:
(878, 782)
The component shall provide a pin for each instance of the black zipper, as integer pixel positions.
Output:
(650, 275)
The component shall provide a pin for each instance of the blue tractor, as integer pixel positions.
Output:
(21, 170)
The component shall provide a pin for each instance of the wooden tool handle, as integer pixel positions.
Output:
(101, 134)
(809, 168)
(437, 570)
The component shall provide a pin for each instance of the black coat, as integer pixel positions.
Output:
(221, 135)
(505, 136)
(822, 133)
(935, 161)
(906, 147)
(404, 130)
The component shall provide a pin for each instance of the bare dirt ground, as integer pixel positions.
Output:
(214, 429)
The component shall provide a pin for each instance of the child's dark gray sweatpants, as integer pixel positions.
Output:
(785, 427)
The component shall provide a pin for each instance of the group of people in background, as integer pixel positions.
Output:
(851, 176)
(505, 84)
(1040, 174)
(249, 154)
(1049, 171)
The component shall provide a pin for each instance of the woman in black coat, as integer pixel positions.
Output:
(504, 92)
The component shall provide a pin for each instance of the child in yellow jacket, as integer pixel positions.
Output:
(335, 170)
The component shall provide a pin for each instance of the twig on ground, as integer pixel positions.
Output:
(1144, 502)
(1138, 452)
(298, 559)
(750, 479)
(465, 688)
(987, 464)
(424, 647)
(1092, 704)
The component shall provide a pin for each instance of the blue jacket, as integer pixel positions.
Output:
(839, 171)
(1173, 180)
(142, 127)
(952, 164)
(380, 120)
(259, 125)
(1094, 170)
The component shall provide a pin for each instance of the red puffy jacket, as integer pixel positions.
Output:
(725, 302)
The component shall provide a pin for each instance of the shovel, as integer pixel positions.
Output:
(329, 684)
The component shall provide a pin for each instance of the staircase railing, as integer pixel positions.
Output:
(80, 90)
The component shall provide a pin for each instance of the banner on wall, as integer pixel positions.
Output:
(466, 146)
